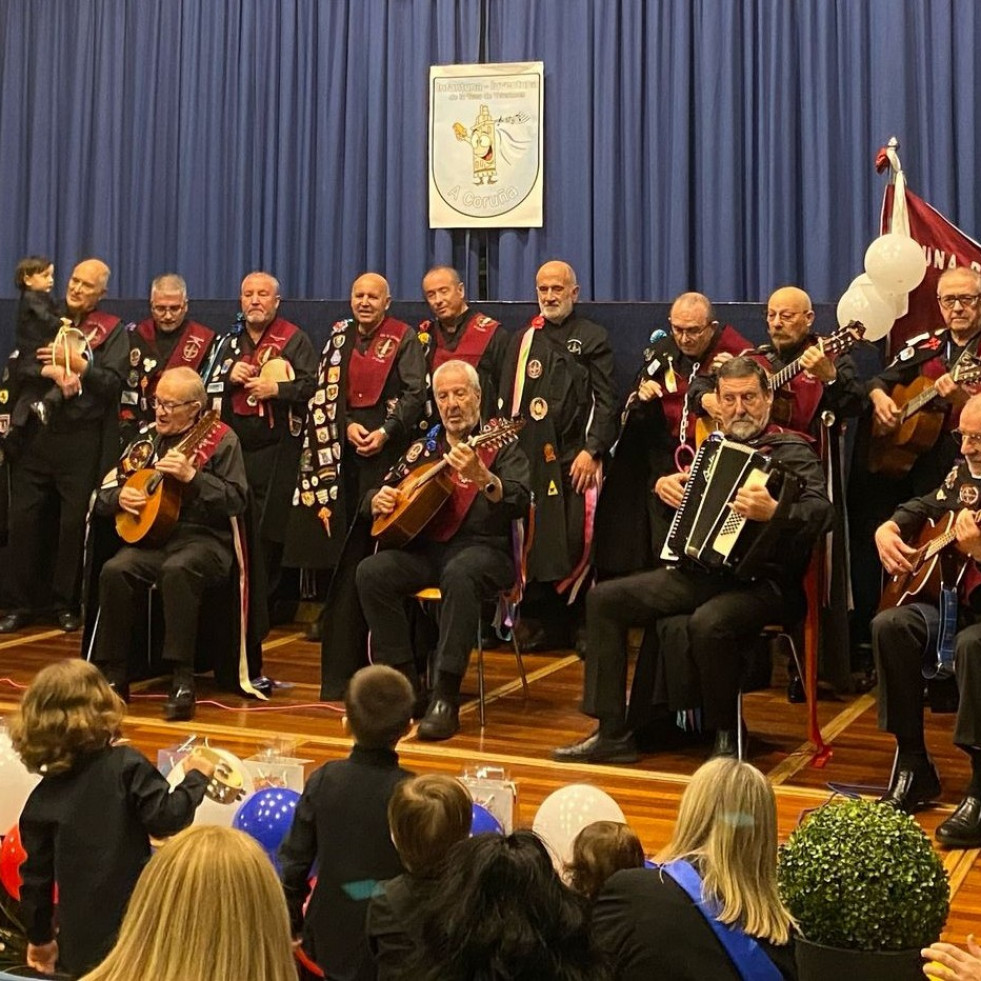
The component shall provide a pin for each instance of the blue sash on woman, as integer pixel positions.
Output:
(749, 958)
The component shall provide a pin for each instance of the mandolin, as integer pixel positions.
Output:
(424, 491)
(922, 585)
(156, 520)
(895, 452)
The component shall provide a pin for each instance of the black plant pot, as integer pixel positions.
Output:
(815, 962)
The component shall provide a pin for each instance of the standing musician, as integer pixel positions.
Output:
(560, 378)
(465, 549)
(817, 401)
(910, 642)
(198, 553)
(165, 339)
(658, 427)
(931, 357)
(726, 613)
(368, 397)
(59, 464)
(263, 373)
(461, 334)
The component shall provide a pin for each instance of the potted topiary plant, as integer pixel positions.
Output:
(867, 891)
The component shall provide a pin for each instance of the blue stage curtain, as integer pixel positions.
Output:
(724, 145)
(727, 145)
(213, 137)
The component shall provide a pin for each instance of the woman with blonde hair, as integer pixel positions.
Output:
(711, 908)
(208, 906)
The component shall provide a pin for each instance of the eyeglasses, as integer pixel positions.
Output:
(160, 309)
(972, 439)
(166, 406)
(689, 331)
(964, 299)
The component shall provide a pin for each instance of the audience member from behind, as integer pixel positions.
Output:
(599, 850)
(426, 816)
(38, 324)
(501, 913)
(724, 849)
(208, 907)
(87, 824)
(341, 823)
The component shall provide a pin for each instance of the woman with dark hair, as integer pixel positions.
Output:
(502, 914)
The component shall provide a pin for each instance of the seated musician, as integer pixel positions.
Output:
(466, 549)
(198, 553)
(909, 643)
(726, 612)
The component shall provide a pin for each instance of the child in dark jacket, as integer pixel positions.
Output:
(342, 822)
(86, 825)
(38, 324)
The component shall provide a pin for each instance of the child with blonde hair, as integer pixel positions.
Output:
(87, 825)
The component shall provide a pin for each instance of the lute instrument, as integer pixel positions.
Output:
(156, 520)
(894, 453)
(424, 491)
(922, 584)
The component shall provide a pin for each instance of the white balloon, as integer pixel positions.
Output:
(899, 301)
(895, 263)
(211, 810)
(868, 305)
(16, 784)
(566, 811)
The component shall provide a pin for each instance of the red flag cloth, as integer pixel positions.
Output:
(945, 246)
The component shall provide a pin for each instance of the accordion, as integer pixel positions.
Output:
(705, 531)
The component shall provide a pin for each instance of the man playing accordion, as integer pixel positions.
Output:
(727, 602)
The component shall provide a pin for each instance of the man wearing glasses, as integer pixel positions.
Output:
(166, 339)
(910, 642)
(932, 356)
(659, 432)
(197, 554)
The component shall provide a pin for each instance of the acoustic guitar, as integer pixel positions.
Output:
(156, 520)
(424, 491)
(894, 453)
(922, 584)
(842, 340)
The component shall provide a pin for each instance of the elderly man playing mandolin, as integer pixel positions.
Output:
(928, 629)
(465, 548)
(201, 464)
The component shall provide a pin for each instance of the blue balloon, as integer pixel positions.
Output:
(484, 822)
(267, 816)
(648, 864)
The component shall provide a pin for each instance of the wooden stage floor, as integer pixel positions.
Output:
(520, 733)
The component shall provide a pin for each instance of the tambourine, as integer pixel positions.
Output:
(68, 341)
(277, 370)
(231, 781)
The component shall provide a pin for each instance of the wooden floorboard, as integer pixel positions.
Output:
(521, 732)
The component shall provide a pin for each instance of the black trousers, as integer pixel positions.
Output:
(56, 468)
(182, 569)
(467, 574)
(899, 637)
(725, 616)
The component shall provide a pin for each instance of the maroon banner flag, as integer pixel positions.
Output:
(944, 245)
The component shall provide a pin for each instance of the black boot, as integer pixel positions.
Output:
(179, 705)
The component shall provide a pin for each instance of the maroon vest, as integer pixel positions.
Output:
(476, 335)
(97, 326)
(368, 372)
(446, 523)
(274, 338)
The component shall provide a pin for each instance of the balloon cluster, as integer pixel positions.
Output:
(894, 265)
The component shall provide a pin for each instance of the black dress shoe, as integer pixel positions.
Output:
(179, 704)
(441, 721)
(963, 828)
(68, 621)
(13, 622)
(599, 748)
(796, 694)
(727, 743)
(913, 789)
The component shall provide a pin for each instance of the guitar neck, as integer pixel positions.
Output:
(918, 401)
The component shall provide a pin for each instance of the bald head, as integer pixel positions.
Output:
(86, 286)
(557, 289)
(370, 299)
(789, 317)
